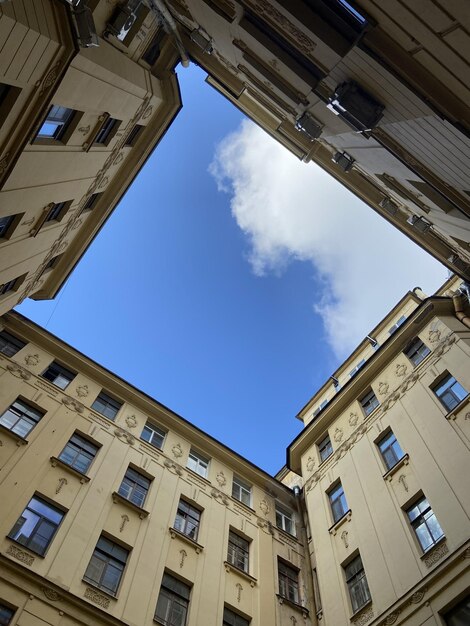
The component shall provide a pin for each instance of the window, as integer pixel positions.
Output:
(107, 131)
(397, 325)
(11, 285)
(56, 123)
(355, 370)
(20, 418)
(390, 450)
(173, 602)
(37, 525)
(233, 619)
(152, 52)
(90, 203)
(339, 506)
(369, 402)
(52, 262)
(357, 584)
(133, 135)
(458, 616)
(197, 463)
(154, 435)
(417, 351)
(450, 392)
(9, 344)
(288, 582)
(6, 615)
(325, 448)
(58, 375)
(424, 524)
(187, 520)
(5, 223)
(285, 519)
(106, 566)
(321, 406)
(238, 551)
(241, 491)
(134, 487)
(106, 405)
(79, 453)
(57, 211)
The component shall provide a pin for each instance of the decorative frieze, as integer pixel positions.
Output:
(363, 617)
(98, 598)
(20, 555)
(436, 554)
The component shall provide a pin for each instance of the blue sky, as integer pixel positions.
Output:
(222, 284)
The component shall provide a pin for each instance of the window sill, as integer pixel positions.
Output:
(196, 475)
(176, 533)
(294, 605)
(245, 506)
(29, 554)
(82, 477)
(287, 534)
(97, 595)
(117, 498)
(452, 415)
(365, 608)
(405, 459)
(342, 520)
(229, 567)
(20, 441)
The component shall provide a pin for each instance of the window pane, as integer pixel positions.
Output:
(6, 615)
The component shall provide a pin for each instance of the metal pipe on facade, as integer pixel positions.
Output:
(159, 7)
(459, 306)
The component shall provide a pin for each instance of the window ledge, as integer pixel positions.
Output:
(294, 605)
(196, 475)
(229, 567)
(452, 415)
(342, 520)
(22, 552)
(82, 477)
(117, 498)
(176, 533)
(245, 506)
(405, 459)
(97, 595)
(365, 608)
(287, 534)
(20, 441)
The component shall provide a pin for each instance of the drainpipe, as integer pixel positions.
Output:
(159, 7)
(459, 305)
(298, 495)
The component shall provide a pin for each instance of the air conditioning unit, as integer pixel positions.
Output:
(202, 41)
(421, 224)
(309, 126)
(389, 206)
(85, 27)
(123, 19)
(343, 160)
(356, 106)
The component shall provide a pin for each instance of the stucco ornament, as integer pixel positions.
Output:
(403, 481)
(18, 371)
(400, 369)
(96, 597)
(434, 335)
(220, 478)
(82, 391)
(31, 359)
(124, 520)
(184, 554)
(344, 537)
(177, 451)
(264, 506)
(383, 389)
(338, 434)
(51, 595)
(21, 555)
(310, 464)
(131, 421)
(353, 419)
(436, 555)
(239, 591)
(61, 483)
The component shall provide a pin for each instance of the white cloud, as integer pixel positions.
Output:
(292, 210)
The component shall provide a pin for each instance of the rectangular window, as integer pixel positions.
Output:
(288, 582)
(173, 602)
(90, 203)
(9, 344)
(107, 131)
(5, 223)
(56, 123)
(339, 506)
(20, 418)
(238, 553)
(58, 375)
(241, 491)
(425, 524)
(134, 487)
(390, 450)
(355, 370)
(79, 453)
(417, 351)
(133, 135)
(233, 619)
(198, 463)
(397, 325)
(12, 285)
(325, 448)
(106, 405)
(285, 519)
(57, 211)
(106, 566)
(450, 392)
(357, 584)
(52, 262)
(152, 51)
(369, 402)
(6, 615)
(187, 520)
(154, 435)
(458, 616)
(37, 525)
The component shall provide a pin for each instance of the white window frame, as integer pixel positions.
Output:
(285, 515)
(241, 491)
(201, 463)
